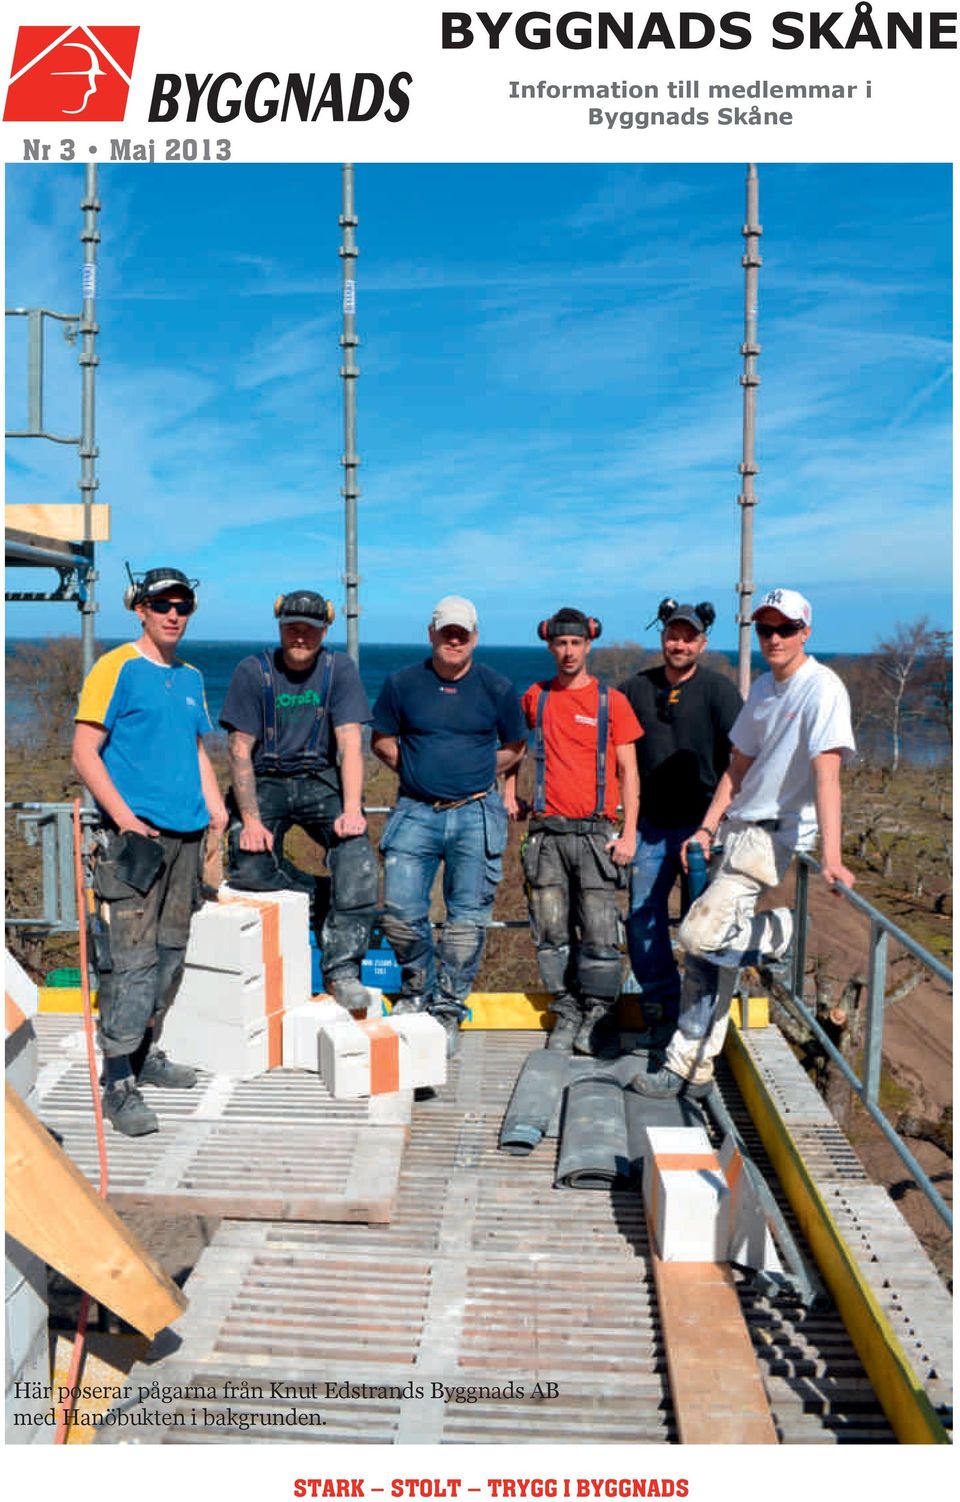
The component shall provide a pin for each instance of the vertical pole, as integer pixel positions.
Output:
(749, 380)
(88, 484)
(876, 1000)
(801, 902)
(349, 371)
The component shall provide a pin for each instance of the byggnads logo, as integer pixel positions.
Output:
(71, 73)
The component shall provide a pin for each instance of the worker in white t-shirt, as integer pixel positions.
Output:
(783, 783)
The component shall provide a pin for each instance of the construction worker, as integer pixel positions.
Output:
(294, 716)
(686, 711)
(449, 726)
(138, 748)
(574, 858)
(789, 742)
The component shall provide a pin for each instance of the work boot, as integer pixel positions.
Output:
(666, 1085)
(127, 1111)
(404, 1004)
(350, 992)
(450, 1022)
(564, 1031)
(157, 1069)
(598, 1035)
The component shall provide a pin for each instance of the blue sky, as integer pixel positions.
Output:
(548, 412)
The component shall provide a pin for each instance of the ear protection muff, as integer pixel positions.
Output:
(706, 613)
(326, 617)
(666, 608)
(553, 627)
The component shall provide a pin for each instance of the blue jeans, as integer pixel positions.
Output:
(470, 841)
(656, 867)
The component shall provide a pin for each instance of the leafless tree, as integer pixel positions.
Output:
(900, 659)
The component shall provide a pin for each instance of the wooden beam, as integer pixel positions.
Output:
(56, 1213)
(715, 1382)
(63, 521)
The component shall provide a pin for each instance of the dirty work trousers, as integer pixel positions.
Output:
(311, 803)
(571, 892)
(721, 932)
(140, 953)
(469, 841)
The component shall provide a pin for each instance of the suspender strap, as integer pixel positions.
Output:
(540, 751)
(540, 754)
(603, 722)
(269, 688)
(306, 758)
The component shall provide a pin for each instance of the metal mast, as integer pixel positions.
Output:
(89, 360)
(350, 371)
(749, 380)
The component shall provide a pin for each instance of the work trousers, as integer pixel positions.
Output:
(143, 940)
(469, 841)
(721, 932)
(343, 910)
(571, 892)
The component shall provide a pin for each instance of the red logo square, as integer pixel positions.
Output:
(71, 73)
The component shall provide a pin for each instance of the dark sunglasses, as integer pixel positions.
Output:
(788, 629)
(164, 607)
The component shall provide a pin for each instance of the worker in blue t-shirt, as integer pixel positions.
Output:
(138, 748)
(294, 717)
(449, 726)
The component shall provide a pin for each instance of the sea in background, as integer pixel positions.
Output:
(522, 665)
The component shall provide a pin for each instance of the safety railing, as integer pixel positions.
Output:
(881, 931)
(50, 826)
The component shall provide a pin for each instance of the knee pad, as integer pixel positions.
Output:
(353, 867)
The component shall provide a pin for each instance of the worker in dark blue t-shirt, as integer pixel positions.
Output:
(449, 726)
(294, 718)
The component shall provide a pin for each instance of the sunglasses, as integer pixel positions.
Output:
(163, 607)
(788, 629)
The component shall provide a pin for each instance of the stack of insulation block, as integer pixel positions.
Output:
(248, 963)
(26, 1344)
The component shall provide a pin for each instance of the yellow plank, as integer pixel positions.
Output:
(910, 1412)
(64, 521)
(508, 1010)
(56, 1213)
(758, 1012)
(61, 999)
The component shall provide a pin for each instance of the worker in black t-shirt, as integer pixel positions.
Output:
(686, 711)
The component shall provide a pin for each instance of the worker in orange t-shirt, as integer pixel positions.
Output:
(574, 859)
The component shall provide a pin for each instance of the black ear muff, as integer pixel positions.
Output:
(594, 628)
(543, 630)
(706, 613)
(666, 608)
(131, 597)
(278, 605)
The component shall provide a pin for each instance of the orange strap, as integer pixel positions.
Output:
(272, 973)
(384, 1057)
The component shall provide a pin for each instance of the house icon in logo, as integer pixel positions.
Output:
(79, 73)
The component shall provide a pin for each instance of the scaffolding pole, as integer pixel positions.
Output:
(748, 467)
(350, 371)
(89, 360)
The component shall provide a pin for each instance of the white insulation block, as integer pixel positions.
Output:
(301, 1031)
(360, 1058)
(686, 1194)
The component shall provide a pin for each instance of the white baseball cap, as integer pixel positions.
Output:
(791, 604)
(454, 610)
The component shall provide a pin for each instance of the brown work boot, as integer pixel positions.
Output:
(598, 1035)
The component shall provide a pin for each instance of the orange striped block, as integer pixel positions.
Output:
(272, 973)
(384, 1057)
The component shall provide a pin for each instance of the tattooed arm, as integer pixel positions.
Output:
(255, 835)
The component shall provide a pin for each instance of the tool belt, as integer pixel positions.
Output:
(558, 824)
